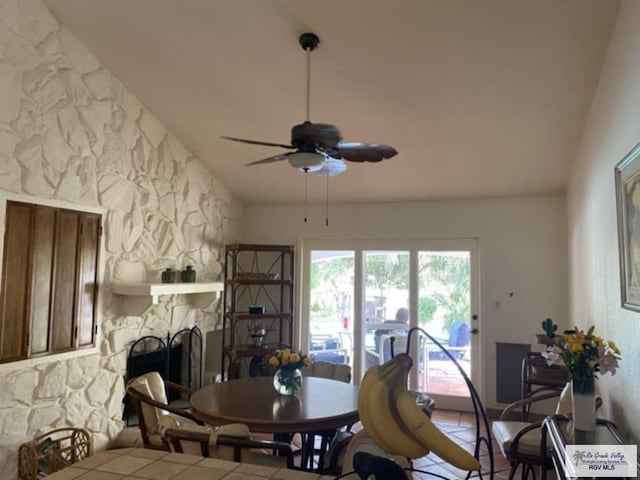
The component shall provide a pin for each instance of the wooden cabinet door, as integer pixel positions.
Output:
(64, 299)
(49, 293)
(15, 282)
(88, 279)
(42, 281)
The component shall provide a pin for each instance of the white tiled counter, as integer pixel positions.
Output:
(140, 463)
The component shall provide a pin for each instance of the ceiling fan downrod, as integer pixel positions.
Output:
(309, 42)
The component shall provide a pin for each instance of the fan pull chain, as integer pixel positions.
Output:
(306, 172)
(326, 217)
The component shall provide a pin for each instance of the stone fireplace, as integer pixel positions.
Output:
(178, 358)
(73, 135)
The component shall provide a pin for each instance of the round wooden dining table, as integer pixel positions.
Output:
(322, 406)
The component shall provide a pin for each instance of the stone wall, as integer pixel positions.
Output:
(70, 132)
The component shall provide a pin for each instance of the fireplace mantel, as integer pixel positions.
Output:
(138, 297)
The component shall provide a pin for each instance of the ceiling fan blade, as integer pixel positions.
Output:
(258, 142)
(362, 152)
(274, 158)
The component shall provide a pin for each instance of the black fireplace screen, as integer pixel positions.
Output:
(176, 358)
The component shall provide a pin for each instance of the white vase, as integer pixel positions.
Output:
(584, 404)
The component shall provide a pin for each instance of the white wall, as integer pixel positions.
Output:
(72, 134)
(613, 128)
(522, 250)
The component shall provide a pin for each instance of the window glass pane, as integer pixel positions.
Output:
(331, 306)
(444, 311)
(386, 309)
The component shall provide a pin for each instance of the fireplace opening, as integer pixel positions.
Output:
(176, 358)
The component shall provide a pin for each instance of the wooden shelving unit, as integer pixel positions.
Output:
(256, 275)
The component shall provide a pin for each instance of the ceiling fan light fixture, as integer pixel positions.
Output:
(306, 161)
(332, 167)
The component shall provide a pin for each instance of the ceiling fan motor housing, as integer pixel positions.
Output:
(321, 135)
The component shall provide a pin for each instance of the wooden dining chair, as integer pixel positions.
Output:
(333, 371)
(149, 399)
(520, 440)
(228, 442)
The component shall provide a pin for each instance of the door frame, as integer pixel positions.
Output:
(413, 246)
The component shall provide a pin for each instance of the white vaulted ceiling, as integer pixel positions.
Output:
(482, 98)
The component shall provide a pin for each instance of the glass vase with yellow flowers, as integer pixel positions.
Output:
(285, 364)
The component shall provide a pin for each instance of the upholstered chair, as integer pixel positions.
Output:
(333, 371)
(342, 373)
(519, 440)
(231, 442)
(149, 398)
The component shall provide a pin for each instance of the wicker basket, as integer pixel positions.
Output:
(52, 451)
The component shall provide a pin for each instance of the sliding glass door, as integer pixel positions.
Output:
(358, 295)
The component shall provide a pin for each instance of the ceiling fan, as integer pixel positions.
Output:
(318, 147)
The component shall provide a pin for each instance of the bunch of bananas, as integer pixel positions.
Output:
(393, 420)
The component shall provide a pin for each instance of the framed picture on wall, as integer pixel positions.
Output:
(627, 174)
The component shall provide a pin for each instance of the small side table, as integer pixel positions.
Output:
(537, 375)
(558, 429)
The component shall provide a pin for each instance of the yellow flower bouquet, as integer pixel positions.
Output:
(584, 354)
(286, 363)
(287, 359)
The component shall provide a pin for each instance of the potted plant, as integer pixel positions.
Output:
(539, 365)
(548, 337)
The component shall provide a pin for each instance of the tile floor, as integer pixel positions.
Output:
(460, 426)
